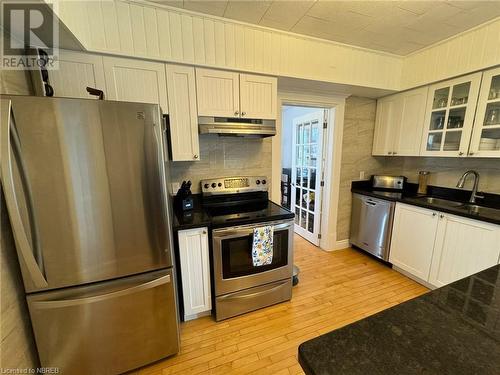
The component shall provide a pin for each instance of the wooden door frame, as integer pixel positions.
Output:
(334, 134)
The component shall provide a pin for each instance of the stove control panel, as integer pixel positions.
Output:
(234, 185)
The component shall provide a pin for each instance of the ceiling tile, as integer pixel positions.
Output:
(285, 14)
(246, 11)
(215, 8)
(395, 26)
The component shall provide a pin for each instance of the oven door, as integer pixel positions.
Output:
(232, 255)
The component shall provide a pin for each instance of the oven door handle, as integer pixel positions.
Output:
(245, 295)
(246, 230)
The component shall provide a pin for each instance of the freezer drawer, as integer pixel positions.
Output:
(371, 224)
(107, 328)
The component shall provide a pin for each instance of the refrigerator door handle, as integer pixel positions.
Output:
(61, 302)
(161, 169)
(33, 264)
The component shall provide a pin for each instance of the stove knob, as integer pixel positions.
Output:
(206, 186)
(219, 184)
(214, 185)
(263, 182)
(257, 182)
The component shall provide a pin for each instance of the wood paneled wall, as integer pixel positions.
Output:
(473, 50)
(139, 29)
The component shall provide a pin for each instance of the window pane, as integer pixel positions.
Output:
(492, 114)
(437, 120)
(434, 141)
(490, 140)
(307, 133)
(311, 201)
(441, 98)
(315, 132)
(310, 223)
(452, 141)
(456, 118)
(303, 219)
(297, 196)
(297, 215)
(305, 178)
(460, 94)
(494, 88)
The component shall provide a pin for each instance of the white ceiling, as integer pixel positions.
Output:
(399, 27)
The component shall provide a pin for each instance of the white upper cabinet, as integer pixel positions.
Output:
(399, 123)
(136, 81)
(258, 96)
(486, 136)
(76, 72)
(409, 132)
(227, 94)
(449, 116)
(413, 234)
(183, 118)
(218, 93)
(463, 247)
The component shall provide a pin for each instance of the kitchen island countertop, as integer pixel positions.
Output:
(452, 330)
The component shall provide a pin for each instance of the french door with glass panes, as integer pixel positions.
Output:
(449, 116)
(307, 172)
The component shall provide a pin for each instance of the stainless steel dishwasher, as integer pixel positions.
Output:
(372, 218)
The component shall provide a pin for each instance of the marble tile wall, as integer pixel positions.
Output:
(359, 125)
(225, 157)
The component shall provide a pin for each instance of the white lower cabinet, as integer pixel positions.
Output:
(195, 272)
(437, 248)
(413, 236)
(463, 247)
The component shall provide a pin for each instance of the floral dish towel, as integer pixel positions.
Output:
(262, 247)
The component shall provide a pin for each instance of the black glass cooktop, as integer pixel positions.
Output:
(247, 214)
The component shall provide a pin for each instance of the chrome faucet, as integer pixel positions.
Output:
(461, 182)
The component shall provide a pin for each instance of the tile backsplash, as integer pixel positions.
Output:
(225, 157)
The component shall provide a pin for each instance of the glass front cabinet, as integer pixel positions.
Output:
(486, 135)
(449, 117)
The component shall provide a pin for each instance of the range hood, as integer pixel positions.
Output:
(237, 127)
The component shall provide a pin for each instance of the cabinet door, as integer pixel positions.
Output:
(413, 235)
(76, 72)
(195, 271)
(386, 123)
(133, 80)
(218, 93)
(183, 116)
(463, 247)
(486, 136)
(449, 116)
(408, 138)
(258, 96)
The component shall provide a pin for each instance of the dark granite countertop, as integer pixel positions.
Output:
(410, 196)
(453, 330)
(195, 218)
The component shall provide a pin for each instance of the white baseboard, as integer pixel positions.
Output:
(339, 245)
(196, 316)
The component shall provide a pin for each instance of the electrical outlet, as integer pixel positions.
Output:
(175, 186)
(361, 175)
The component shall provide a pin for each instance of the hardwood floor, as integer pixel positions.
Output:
(335, 289)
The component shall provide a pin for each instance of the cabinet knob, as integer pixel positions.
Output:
(195, 156)
(441, 216)
(236, 113)
(471, 153)
(243, 113)
(434, 214)
(394, 152)
(460, 153)
(389, 153)
(204, 232)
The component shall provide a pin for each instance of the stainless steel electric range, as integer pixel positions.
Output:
(236, 206)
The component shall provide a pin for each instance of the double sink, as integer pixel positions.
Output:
(470, 208)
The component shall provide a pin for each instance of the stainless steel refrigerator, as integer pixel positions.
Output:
(85, 186)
